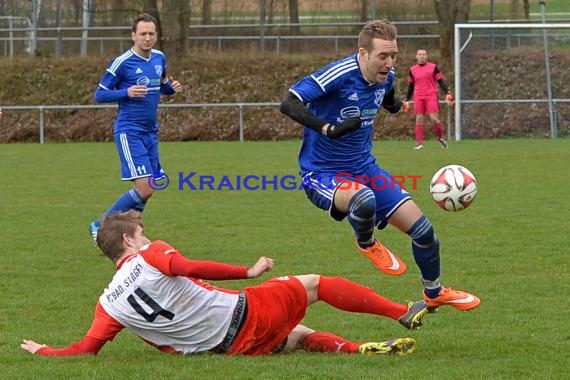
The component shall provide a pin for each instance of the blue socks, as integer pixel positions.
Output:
(129, 200)
(425, 248)
(361, 216)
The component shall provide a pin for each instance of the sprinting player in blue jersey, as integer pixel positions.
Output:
(136, 79)
(337, 105)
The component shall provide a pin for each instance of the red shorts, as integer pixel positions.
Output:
(426, 104)
(274, 309)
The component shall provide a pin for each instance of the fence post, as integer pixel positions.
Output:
(555, 118)
(241, 126)
(11, 39)
(41, 124)
(449, 108)
(278, 41)
(59, 43)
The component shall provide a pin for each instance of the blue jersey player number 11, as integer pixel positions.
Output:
(135, 80)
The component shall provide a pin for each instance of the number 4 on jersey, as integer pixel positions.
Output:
(156, 308)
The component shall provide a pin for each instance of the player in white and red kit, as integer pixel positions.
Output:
(423, 83)
(158, 294)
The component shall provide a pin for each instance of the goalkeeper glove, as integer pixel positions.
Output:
(449, 99)
(349, 125)
(406, 107)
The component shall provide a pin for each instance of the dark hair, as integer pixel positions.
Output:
(110, 234)
(382, 29)
(143, 17)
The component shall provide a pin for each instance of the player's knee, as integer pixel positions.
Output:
(144, 190)
(363, 204)
(311, 283)
(296, 338)
(422, 232)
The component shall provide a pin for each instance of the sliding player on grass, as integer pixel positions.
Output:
(159, 295)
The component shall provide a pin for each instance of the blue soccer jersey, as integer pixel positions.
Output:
(129, 69)
(334, 93)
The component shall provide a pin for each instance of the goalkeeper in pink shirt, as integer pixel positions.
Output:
(423, 85)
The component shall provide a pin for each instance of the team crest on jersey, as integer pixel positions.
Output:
(379, 96)
(158, 69)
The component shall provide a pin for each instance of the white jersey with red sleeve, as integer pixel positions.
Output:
(167, 310)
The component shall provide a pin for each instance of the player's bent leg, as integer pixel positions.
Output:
(353, 297)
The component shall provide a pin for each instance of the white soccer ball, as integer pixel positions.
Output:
(453, 188)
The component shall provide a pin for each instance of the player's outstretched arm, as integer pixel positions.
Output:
(104, 328)
(86, 346)
(179, 265)
(264, 264)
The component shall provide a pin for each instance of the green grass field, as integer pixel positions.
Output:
(510, 248)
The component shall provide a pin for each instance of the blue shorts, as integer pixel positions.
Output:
(321, 187)
(138, 153)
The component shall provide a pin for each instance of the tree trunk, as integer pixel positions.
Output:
(364, 10)
(206, 12)
(150, 7)
(449, 12)
(515, 9)
(526, 6)
(117, 13)
(184, 21)
(77, 6)
(59, 24)
(176, 16)
(294, 16)
(270, 12)
(171, 27)
(118, 19)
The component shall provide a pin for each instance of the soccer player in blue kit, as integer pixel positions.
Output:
(136, 79)
(337, 105)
